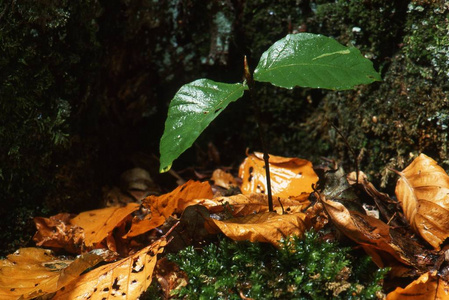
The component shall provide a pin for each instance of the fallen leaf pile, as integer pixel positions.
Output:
(114, 250)
(136, 233)
(417, 248)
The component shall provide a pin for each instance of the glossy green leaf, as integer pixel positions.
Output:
(316, 61)
(194, 106)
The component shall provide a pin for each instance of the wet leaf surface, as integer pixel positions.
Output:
(316, 61)
(290, 177)
(192, 109)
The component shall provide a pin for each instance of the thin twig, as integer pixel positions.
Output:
(355, 157)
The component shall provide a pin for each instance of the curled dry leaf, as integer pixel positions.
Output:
(57, 232)
(263, 227)
(426, 287)
(290, 177)
(33, 272)
(164, 206)
(423, 191)
(98, 224)
(372, 234)
(124, 279)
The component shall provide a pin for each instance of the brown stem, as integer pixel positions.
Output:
(266, 157)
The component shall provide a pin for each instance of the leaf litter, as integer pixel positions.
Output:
(409, 236)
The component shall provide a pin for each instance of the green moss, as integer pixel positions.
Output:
(305, 269)
(426, 44)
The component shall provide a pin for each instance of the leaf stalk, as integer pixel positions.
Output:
(251, 84)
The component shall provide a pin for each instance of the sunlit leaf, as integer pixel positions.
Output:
(426, 287)
(192, 109)
(98, 224)
(316, 61)
(423, 191)
(268, 227)
(290, 177)
(242, 205)
(33, 272)
(124, 279)
(164, 206)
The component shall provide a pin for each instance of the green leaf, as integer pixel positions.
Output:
(316, 61)
(194, 106)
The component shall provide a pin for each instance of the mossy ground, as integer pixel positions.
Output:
(306, 268)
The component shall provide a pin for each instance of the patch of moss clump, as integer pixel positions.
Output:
(302, 268)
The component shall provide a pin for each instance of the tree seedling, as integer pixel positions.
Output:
(297, 60)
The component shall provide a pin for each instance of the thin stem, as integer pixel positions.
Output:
(356, 160)
(266, 157)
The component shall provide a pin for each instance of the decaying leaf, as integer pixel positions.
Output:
(164, 206)
(223, 179)
(32, 272)
(268, 227)
(99, 223)
(338, 189)
(170, 277)
(423, 191)
(372, 234)
(124, 279)
(290, 177)
(426, 287)
(386, 205)
(57, 232)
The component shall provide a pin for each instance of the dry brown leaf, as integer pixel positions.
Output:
(99, 223)
(57, 232)
(290, 177)
(372, 234)
(223, 179)
(124, 279)
(426, 287)
(268, 227)
(33, 272)
(164, 206)
(242, 205)
(423, 191)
